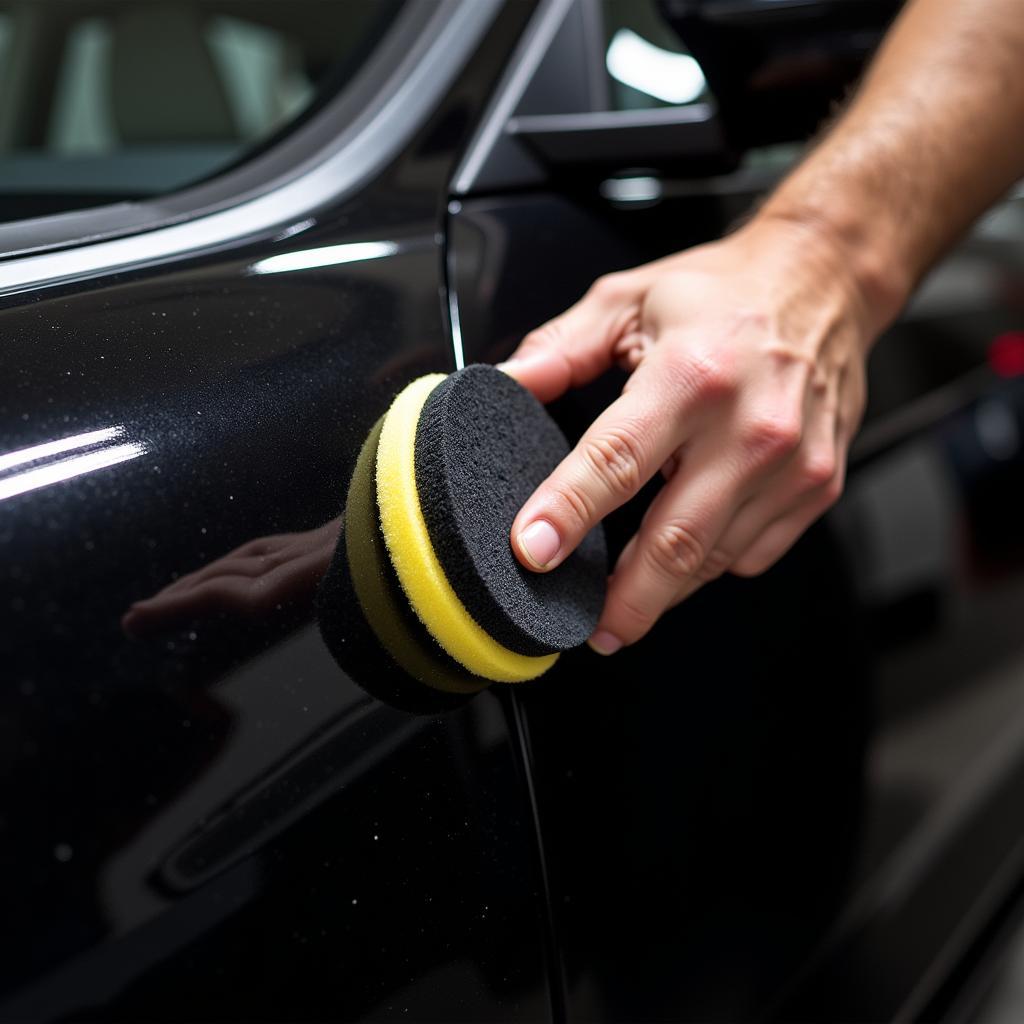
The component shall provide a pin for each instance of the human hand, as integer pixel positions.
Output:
(746, 360)
(248, 583)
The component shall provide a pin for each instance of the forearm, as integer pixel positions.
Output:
(934, 135)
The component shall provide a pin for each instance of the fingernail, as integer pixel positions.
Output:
(509, 366)
(540, 543)
(604, 642)
(516, 363)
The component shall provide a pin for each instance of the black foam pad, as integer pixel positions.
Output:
(378, 640)
(483, 445)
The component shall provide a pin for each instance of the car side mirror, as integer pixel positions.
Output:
(777, 67)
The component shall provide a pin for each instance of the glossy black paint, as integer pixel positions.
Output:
(203, 817)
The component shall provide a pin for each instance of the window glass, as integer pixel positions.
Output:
(647, 65)
(102, 100)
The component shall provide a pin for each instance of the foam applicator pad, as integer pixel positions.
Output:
(365, 618)
(483, 446)
(425, 547)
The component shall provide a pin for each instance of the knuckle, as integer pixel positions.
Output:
(259, 546)
(707, 375)
(833, 490)
(540, 338)
(615, 457)
(773, 437)
(817, 471)
(716, 563)
(608, 287)
(576, 506)
(675, 551)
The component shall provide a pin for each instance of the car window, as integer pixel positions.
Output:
(102, 100)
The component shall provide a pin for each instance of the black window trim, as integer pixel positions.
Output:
(328, 157)
(527, 57)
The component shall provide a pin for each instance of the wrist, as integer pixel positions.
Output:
(878, 275)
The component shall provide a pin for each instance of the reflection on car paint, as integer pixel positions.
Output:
(282, 576)
(324, 256)
(53, 471)
(264, 577)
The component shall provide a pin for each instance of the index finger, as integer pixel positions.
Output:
(624, 447)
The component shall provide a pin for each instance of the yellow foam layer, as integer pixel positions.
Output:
(380, 602)
(416, 564)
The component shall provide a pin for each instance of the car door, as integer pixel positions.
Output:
(796, 798)
(206, 304)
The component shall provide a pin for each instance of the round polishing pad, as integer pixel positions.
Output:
(370, 628)
(483, 446)
(412, 553)
(381, 599)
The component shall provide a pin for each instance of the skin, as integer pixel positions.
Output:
(747, 355)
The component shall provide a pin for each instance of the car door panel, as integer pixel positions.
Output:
(203, 814)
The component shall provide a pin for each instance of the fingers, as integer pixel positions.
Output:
(578, 346)
(710, 519)
(624, 447)
(243, 597)
(246, 565)
(168, 610)
(744, 393)
(629, 351)
(250, 559)
(671, 554)
(780, 535)
(251, 581)
(812, 479)
(778, 538)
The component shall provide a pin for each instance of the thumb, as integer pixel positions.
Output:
(580, 344)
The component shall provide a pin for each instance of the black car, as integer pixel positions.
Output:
(232, 231)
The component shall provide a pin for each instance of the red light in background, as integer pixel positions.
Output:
(1006, 354)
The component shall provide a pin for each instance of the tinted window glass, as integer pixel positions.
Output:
(103, 100)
